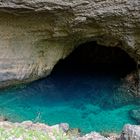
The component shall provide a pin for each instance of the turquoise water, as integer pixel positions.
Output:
(89, 101)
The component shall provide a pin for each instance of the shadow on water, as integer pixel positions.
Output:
(82, 91)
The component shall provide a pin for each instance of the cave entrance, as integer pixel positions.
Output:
(93, 70)
(82, 90)
(90, 82)
(96, 59)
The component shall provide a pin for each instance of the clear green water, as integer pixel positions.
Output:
(89, 101)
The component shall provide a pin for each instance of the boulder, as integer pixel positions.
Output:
(130, 132)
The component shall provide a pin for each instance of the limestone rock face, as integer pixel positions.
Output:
(130, 132)
(36, 34)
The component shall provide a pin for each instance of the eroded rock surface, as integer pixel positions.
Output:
(36, 34)
(130, 132)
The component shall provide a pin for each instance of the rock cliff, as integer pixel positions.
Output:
(36, 34)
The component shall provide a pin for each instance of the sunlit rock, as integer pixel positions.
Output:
(92, 136)
(130, 132)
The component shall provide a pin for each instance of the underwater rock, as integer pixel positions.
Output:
(135, 114)
(36, 34)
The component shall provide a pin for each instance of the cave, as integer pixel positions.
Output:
(94, 58)
(84, 89)
(99, 68)
(70, 69)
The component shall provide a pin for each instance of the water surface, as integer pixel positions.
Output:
(86, 100)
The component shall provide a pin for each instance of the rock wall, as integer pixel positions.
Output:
(36, 34)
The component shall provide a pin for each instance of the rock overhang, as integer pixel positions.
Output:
(36, 34)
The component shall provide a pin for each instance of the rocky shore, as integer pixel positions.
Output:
(28, 130)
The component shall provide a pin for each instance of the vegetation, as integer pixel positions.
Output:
(20, 133)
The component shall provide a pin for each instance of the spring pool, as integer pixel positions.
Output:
(89, 101)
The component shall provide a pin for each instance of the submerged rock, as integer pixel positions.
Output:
(135, 114)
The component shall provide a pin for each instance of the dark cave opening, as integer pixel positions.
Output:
(93, 58)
